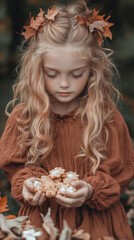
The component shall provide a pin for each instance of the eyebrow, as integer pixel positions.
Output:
(71, 70)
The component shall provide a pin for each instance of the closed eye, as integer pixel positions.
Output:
(77, 76)
(53, 76)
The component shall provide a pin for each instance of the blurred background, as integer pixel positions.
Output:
(14, 14)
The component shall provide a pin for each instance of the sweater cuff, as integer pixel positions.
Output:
(97, 186)
(19, 178)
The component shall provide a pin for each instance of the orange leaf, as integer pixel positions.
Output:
(35, 25)
(103, 27)
(96, 17)
(3, 204)
(29, 32)
(51, 13)
(98, 37)
(107, 32)
(83, 20)
(10, 216)
(39, 20)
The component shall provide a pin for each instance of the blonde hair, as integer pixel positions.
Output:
(97, 103)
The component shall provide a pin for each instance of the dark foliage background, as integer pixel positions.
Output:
(14, 14)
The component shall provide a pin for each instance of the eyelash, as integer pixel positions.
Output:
(73, 76)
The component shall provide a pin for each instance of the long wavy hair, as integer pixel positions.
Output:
(97, 103)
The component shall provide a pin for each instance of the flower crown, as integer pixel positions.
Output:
(96, 24)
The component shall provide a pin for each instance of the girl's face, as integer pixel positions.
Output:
(66, 73)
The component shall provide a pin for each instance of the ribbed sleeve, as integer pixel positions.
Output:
(13, 158)
(21, 175)
(113, 175)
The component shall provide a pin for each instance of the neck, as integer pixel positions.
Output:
(63, 108)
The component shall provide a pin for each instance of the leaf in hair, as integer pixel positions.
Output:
(30, 32)
(51, 13)
(98, 36)
(99, 25)
(83, 20)
(35, 25)
(107, 32)
(95, 16)
(40, 20)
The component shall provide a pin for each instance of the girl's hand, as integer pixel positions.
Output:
(32, 198)
(76, 199)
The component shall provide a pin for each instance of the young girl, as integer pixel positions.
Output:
(66, 117)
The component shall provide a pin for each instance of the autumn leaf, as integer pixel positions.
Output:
(99, 25)
(96, 17)
(35, 25)
(12, 226)
(80, 234)
(51, 13)
(98, 36)
(130, 213)
(3, 204)
(30, 32)
(2, 235)
(83, 20)
(107, 32)
(10, 216)
(39, 20)
(102, 26)
(49, 226)
(66, 232)
(9, 236)
(130, 201)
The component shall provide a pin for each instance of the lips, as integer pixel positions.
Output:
(64, 94)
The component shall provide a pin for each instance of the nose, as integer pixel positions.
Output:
(64, 82)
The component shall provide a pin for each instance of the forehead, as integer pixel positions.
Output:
(66, 58)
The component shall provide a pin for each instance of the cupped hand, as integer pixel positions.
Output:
(34, 199)
(76, 199)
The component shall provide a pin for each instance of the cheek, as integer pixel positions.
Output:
(82, 84)
(48, 85)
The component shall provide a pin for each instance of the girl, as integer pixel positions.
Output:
(66, 117)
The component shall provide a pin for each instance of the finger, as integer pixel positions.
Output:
(78, 183)
(34, 179)
(42, 199)
(62, 204)
(36, 198)
(28, 184)
(78, 204)
(69, 201)
(77, 194)
(28, 197)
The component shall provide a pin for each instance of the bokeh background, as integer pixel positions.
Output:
(14, 14)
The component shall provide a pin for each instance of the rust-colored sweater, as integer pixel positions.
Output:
(103, 214)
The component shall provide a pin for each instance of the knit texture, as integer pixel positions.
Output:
(103, 214)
